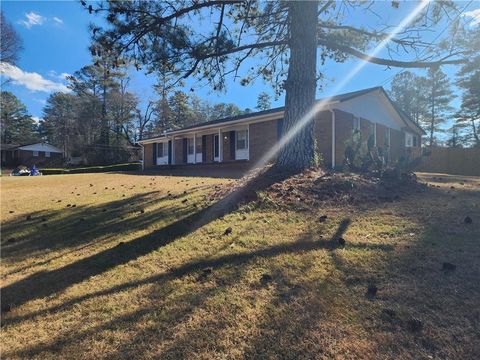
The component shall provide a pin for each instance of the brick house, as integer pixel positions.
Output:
(244, 139)
(38, 153)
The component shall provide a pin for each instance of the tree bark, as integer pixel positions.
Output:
(300, 87)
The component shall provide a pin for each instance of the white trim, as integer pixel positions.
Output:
(162, 160)
(220, 145)
(223, 125)
(194, 148)
(248, 139)
(173, 150)
(242, 154)
(143, 156)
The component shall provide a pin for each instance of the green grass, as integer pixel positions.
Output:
(133, 272)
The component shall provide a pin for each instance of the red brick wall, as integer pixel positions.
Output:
(381, 140)
(366, 128)
(343, 132)
(263, 137)
(397, 144)
(148, 155)
(178, 151)
(226, 146)
(323, 135)
(209, 149)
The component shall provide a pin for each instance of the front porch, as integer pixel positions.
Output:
(225, 144)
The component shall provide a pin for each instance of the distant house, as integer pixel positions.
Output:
(246, 138)
(38, 153)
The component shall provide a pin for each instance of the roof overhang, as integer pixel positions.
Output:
(228, 124)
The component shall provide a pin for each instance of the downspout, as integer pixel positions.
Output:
(333, 137)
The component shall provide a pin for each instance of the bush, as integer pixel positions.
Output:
(94, 169)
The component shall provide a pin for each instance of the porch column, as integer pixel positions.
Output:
(173, 150)
(220, 146)
(194, 148)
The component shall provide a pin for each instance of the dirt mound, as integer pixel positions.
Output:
(313, 187)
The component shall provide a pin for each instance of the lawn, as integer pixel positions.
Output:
(117, 266)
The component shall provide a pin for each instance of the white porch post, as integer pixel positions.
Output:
(194, 148)
(173, 150)
(220, 146)
(248, 141)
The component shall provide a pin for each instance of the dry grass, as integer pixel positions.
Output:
(106, 280)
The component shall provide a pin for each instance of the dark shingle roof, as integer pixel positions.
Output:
(340, 97)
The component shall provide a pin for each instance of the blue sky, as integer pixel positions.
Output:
(56, 39)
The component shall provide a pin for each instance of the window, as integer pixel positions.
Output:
(190, 146)
(414, 141)
(47, 153)
(198, 145)
(161, 150)
(356, 124)
(408, 140)
(242, 139)
(35, 153)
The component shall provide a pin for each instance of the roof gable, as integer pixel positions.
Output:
(40, 147)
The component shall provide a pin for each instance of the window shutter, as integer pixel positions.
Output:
(154, 152)
(169, 152)
(232, 145)
(185, 150)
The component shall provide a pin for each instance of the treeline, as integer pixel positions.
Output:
(101, 119)
(427, 99)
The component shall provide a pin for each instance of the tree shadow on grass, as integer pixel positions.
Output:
(84, 226)
(189, 302)
(46, 283)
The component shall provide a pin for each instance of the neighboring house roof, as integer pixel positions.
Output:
(337, 98)
(40, 147)
(8, 147)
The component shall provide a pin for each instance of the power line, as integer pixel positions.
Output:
(433, 41)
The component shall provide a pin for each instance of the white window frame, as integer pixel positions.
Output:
(35, 153)
(162, 160)
(408, 140)
(356, 124)
(198, 155)
(242, 153)
(47, 153)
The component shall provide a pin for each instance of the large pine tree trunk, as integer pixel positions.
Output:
(299, 151)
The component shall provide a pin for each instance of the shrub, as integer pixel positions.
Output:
(94, 169)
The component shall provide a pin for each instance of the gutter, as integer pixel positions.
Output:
(258, 118)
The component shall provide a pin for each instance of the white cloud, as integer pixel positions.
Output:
(32, 19)
(58, 20)
(36, 119)
(474, 15)
(31, 80)
(55, 75)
